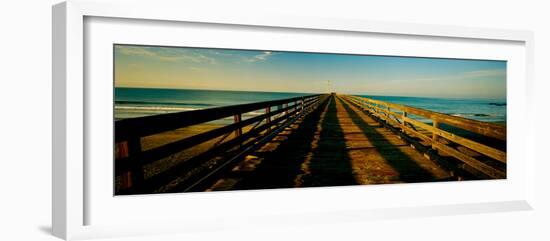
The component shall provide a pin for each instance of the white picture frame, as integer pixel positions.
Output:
(72, 193)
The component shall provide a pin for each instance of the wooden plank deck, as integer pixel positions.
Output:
(335, 145)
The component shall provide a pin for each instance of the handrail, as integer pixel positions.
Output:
(131, 159)
(479, 127)
(386, 112)
(148, 125)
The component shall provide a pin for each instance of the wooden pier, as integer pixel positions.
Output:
(310, 141)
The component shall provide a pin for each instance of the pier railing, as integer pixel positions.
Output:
(246, 134)
(470, 152)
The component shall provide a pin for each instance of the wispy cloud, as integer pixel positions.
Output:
(165, 54)
(432, 85)
(135, 51)
(485, 73)
(193, 68)
(135, 65)
(221, 53)
(260, 57)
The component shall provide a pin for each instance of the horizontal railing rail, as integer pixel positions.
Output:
(154, 124)
(399, 116)
(130, 157)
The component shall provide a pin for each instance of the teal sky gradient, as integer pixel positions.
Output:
(221, 69)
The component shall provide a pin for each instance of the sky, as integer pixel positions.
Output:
(279, 71)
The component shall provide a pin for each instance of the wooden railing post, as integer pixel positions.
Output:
(134, 177)
(403, 121)
(302, 106)
(268, 118)
(434, 134)
(121, 151)
(372, 107)
(237, 119)
(315, 103)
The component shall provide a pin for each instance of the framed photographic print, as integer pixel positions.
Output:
(204, 119)
(195, 120)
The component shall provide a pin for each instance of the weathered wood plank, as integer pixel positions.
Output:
(483, 149)
(480, 166)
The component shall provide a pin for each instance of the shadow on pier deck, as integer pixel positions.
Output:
(336, 145)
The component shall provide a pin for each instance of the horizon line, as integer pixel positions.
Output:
(306, 92)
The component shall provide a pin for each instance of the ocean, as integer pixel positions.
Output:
(138, 102)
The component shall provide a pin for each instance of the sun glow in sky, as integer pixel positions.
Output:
(252, 70)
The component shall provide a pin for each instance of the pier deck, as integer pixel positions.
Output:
(338, 144)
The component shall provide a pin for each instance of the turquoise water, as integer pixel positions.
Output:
(138, 102)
